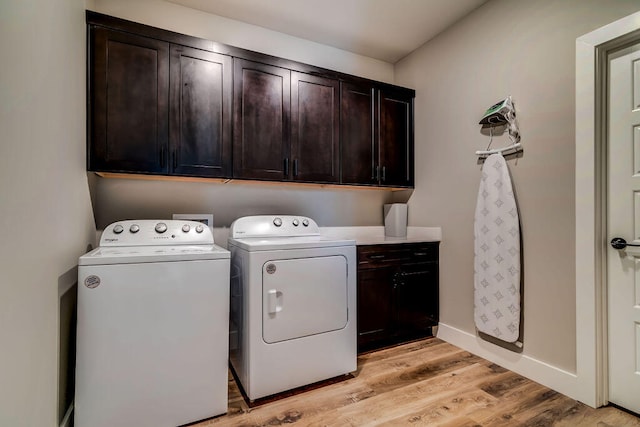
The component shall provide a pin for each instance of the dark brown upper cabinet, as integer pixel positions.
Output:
(315, 138)
(357, 134)
(286, 124)
(166, 103)
(376, 135)
(158, 108)
(129, 101)
(200, 113)
(262, 103)
(395, 138)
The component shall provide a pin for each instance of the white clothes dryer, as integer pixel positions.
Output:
(293, 304)
(152, 337)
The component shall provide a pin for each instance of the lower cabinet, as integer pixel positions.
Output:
(397, 293)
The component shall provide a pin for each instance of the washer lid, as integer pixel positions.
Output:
(253, 244)
(143, 254)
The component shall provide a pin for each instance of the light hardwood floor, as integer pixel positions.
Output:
(424, 383)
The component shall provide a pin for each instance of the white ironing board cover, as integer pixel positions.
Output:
(497, 254)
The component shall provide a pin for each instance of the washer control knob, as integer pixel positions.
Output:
(296, 222)
(186, 228)
(118, 229)
(134, 228)
(305, 222)
(161, 227)
(199, 228)
(277, 222)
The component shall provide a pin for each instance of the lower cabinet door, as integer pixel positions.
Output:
(375, 306)
(416, 293)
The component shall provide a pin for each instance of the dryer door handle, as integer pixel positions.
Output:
(273, 295)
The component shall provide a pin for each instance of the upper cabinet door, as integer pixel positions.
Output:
(359, 152)
(200, 116)
(315, 144)
(128, 102)
(262, 104)
(395, 138)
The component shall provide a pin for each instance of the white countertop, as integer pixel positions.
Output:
(375, 235)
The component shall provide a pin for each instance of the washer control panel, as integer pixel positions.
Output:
(273, 226)
(148, 232)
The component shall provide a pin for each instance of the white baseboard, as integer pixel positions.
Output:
(550, 376)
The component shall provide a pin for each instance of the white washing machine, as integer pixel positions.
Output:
(152, 337)
(293, 304)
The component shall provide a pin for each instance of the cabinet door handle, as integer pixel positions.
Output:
(295, 167)
(286, 167)
(420, 253)
(376, 256)
(384, 173)
(414, 273)
(374, 168)
(175, 160)
(162, 157)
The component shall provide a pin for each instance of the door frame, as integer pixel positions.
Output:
(591, 241)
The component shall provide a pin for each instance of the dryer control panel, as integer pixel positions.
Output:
(273, 226)
(149, 232)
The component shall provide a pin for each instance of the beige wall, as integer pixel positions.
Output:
(117, 199)
(45, 210)
(525, 49)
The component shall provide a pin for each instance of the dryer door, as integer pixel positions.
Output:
(302, 297)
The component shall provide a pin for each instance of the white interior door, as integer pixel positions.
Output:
(624, 221)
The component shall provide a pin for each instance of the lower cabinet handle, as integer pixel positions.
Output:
(414, 273)
(286, 167)
(162, 154)
(384, 173)
(295, 167)
(175, 159)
